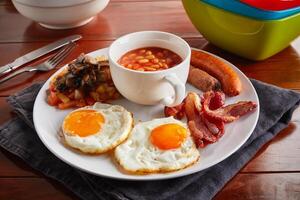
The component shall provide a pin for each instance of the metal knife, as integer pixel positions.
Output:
(37, 53)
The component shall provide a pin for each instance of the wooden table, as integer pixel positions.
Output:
(274, 173)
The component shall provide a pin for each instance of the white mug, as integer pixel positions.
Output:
(155, 87)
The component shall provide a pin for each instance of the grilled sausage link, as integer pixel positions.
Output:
(202, 80)
(231, 84)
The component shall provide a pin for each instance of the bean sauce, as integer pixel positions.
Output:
(150, 59)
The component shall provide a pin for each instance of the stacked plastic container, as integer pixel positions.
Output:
(254, 29)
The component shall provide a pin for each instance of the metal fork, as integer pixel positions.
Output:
(48, 65)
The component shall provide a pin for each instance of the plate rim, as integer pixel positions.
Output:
(145, 177)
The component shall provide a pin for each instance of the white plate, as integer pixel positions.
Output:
(48, 120)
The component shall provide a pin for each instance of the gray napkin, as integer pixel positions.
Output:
(19, 137)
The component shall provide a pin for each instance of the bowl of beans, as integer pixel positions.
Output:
(150, 67)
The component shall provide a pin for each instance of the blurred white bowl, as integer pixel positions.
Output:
(60, 14)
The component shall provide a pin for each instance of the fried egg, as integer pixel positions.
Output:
(159, 145)
(98, 128)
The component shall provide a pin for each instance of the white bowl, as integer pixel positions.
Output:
(150, 88)
(60, 14)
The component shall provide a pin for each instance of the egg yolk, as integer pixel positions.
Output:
(83, 122)
(168, 136)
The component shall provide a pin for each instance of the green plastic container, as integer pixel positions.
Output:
(246, 37)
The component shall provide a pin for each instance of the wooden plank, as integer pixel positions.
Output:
(140, 0)
(117, 19)
(11, 166)
(8, 2)
(5, 3)
(262, 187)
(243, 186)
(33, 188)
(282, 154)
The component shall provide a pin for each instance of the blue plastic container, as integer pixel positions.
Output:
(238, 7)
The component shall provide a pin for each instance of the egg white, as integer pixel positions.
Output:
(138, 155)
(117, 126)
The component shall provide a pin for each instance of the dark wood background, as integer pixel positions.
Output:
(274, 173)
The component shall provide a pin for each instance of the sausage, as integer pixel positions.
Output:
(231, 84)
(202, 80)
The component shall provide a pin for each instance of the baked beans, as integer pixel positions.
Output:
(150, 59)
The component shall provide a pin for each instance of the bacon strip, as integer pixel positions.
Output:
(177, 111)
(196, 133)
(227, 113)
(192, 106)
(217, 100)
(217, 127)
(199, 131)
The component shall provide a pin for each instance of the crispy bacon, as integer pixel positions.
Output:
(227, 113)
(208, 136)
(192, 106)
(209, 128)
(196, 133)
(199, 131)
(217, 127)
(207, 116)
(177, 111)
(217, 100)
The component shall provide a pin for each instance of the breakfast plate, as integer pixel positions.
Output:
(48, 121)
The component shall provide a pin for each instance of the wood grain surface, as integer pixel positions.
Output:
(274, 173)
(117, 19)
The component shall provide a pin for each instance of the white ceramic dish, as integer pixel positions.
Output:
(58, 14)
(47, 121)
(150, 88)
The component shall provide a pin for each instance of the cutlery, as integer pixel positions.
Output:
(37, 53)
(45, 66)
